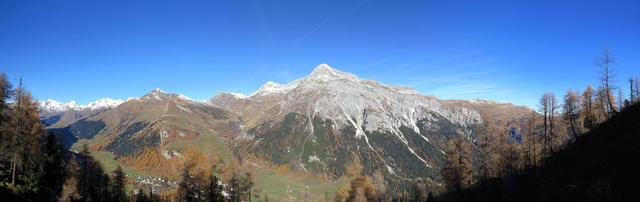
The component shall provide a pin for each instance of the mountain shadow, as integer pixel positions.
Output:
(598, 166)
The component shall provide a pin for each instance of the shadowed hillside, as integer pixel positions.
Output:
(598, 166)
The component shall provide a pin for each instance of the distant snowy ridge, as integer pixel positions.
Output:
(55, 106)
(50, 105)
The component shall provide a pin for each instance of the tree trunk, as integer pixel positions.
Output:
(13, 169)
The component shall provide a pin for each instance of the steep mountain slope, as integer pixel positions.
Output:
(320, 124)
(511, 117)
(325, 121)
(159, 125)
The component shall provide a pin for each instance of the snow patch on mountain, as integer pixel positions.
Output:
(103, 103)
(239, 96)
(271, 88)
(358, 102)
(55, 106)
(364, 104)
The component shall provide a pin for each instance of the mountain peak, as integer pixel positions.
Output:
(325, 73)
(157, 94)
(55, 106)
(158, 90)
(324, 69)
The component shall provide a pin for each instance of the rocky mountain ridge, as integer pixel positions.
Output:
(319, 124)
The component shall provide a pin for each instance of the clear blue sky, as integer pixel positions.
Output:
(504, 51)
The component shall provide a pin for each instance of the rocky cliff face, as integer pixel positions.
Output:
(329, 118)
(347, 100)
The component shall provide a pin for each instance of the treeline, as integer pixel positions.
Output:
(475, 175)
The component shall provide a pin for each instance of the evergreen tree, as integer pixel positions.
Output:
(418, 192)
(214, 190)
(119, 185)
(5, 117)
(142, 197)
(54, 167)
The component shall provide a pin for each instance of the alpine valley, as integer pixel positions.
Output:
(319, 127)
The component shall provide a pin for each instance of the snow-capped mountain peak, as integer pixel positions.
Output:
(54, 106)
(348, 99)
(271, 88)
(324, 73)
(103, 103)
(157, 94)
(158, 90)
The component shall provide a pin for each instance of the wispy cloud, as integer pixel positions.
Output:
(257, 73)
(466, 89)
(311, 32)
(326, 20)
(264, 25)
(462, 78)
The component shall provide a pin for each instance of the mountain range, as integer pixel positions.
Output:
(320, 124)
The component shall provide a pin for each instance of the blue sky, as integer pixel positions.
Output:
(507, 51)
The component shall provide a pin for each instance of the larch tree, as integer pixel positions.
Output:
(544, 110)
(601, 105)
(26, 132)
(553, 123)
(637, 87)
(457, 172)
(632, 96)
(571, 111)
(587, 112)
(548, 108)
(192, 179)
(487, 143)
(531, 142)
(362, 190)
(605, 62)
(615, 108)
(620, 99)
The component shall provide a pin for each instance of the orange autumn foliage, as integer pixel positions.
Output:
(151, 161)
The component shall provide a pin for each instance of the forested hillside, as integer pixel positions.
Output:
(598, 166)
(36, 165)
